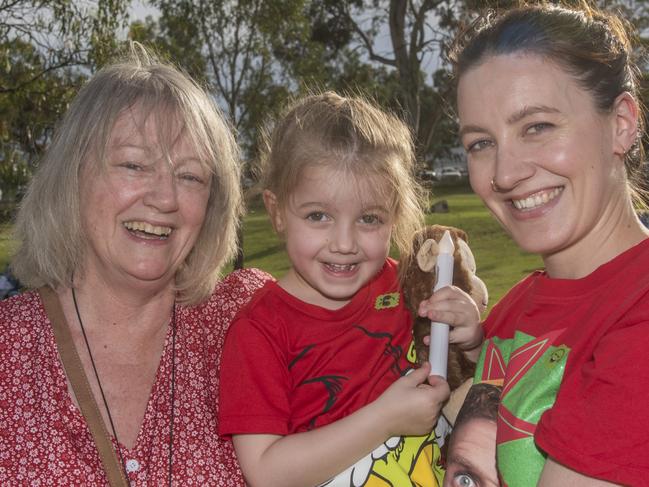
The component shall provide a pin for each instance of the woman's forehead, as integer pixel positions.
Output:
(137, 124)
(515, 83)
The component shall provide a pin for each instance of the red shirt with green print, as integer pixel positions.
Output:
(572, 357)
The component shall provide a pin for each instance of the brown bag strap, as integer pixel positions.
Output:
(81, 387)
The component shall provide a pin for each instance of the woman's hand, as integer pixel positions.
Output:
(457, 309)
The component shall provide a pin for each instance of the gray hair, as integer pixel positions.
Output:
(48, 224)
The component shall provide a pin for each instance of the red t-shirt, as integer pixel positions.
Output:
(289, 366)
(572, 353)
(44, 439)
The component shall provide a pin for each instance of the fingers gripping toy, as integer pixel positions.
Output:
(417, 275)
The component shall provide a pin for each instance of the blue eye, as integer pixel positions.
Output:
(479, 145)
(463, 480)
(538, 127)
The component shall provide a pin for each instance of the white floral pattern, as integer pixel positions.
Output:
(44, 440)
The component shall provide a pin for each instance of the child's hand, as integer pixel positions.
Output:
(457, 309)
(410, 406)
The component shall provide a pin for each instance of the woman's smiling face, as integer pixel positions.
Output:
(541, 156)
(143, 211)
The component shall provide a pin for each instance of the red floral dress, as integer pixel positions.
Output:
(44, 439)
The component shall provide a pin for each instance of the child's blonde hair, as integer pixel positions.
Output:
(355, 136)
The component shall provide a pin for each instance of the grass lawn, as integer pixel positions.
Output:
(500, 263)
(7, 245)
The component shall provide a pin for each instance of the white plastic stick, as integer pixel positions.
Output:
(438, 350)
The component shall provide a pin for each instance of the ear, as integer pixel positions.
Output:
(274, 211)
(479, 293)
(625, 110)
(466, 256)
(427, 255)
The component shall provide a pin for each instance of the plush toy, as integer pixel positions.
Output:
(417, 276)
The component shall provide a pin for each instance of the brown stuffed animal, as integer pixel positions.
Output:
(417, 277)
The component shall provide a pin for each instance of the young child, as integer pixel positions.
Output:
(314, 368)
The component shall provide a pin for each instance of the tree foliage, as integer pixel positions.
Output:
(235, 47)
(47, 48)
(401, 41)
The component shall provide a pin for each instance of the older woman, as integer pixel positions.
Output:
(124, 229)
(548, 112)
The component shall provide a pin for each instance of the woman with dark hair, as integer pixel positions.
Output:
(109, 367)
(549, 116)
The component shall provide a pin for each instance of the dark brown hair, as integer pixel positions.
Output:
(592, 46)
(481, 403)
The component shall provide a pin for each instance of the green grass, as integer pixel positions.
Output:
(500, 263)
(7, 245)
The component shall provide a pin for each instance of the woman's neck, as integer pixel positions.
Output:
(613, 235)
(134, 312)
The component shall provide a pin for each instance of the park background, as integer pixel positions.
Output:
(254, 56)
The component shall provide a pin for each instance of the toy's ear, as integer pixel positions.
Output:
(479, 293)
(427, 255)
(468, 261)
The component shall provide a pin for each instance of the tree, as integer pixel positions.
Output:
(47, 48)
(417, 31)
(63, 33)
(230, 45)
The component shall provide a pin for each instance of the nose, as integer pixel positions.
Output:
(162, 193)
(342, 238)
(513, 166)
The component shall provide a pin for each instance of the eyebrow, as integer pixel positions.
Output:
(516, 117)
(467, 129)
(376, 208)
(527, 111)
(128, 142)
(462, 462)
(306, 204)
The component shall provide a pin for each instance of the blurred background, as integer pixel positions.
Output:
(254, 55)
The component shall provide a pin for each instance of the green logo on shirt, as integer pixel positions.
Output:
(385, 301)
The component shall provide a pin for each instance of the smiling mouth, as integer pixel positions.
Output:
(148, 231)
(537, 199)
(340, 268)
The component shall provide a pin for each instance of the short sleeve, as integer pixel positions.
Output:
(599, 423)
(254, 380)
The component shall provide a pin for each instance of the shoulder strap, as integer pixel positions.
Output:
(81, 388)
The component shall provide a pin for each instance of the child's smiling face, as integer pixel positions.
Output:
(337, 231)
